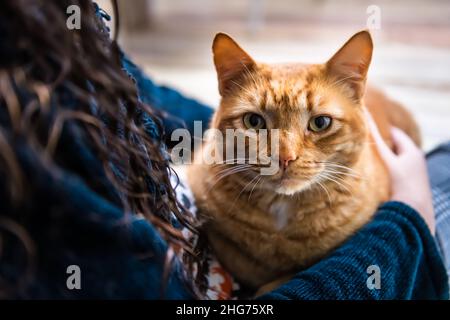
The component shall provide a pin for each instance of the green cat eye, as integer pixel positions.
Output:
(254, 121)
(319, 123)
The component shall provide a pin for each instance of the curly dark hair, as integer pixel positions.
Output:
(42, 57)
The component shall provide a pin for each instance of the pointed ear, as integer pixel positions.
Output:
(350, 64)
(231, 62)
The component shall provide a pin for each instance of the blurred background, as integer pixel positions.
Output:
(172, 39)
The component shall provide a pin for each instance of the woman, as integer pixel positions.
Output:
(86, 181)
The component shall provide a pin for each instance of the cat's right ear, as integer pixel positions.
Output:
(351, 63)
(231, 62)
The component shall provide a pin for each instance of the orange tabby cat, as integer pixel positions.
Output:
(331, 178)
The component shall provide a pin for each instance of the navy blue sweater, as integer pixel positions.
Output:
(398, 242)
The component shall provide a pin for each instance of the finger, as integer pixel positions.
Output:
(402, 142)
(382, 147)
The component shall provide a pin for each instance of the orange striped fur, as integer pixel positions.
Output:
(264, 228)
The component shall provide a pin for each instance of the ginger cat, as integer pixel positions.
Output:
(331, 178)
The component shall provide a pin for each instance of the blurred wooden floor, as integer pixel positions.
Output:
(411, 59)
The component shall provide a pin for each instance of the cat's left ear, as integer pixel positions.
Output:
(351, 63)
(231, 62)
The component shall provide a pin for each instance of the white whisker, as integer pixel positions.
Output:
(227, 172)
(251, 192)
(333, 179)
(325, 189)
(245, 187)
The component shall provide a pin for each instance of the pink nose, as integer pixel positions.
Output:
(284, 160)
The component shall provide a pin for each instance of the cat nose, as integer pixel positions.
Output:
(285, 159)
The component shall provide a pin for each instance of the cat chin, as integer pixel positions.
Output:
(289, 187)
(286, 191)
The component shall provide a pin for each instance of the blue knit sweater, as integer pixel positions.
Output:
(398, 242)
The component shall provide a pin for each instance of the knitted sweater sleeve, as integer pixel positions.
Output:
(392, 257)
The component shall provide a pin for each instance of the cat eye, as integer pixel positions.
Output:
(254, 121)
(319, 123)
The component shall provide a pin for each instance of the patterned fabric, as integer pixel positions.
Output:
(220, 283)
(438, 162)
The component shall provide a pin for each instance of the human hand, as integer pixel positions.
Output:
(408, 171)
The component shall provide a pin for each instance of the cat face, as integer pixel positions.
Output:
(317, 110)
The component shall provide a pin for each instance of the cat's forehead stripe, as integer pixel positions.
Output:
(286, 93)
(309, 100)
(303, 99)
(317, 100)
(277, 89)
